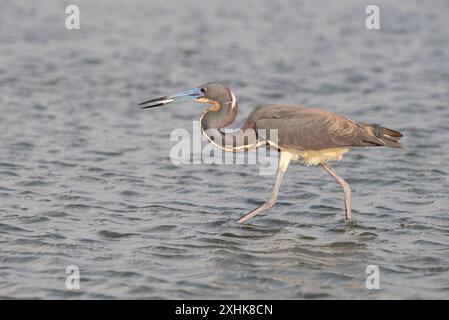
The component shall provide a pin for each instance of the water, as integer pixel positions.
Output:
(86, 177)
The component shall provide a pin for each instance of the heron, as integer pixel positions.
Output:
(312, 136)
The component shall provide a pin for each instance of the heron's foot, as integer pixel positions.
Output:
(255, 212)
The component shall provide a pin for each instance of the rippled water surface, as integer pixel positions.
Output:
(86, 177)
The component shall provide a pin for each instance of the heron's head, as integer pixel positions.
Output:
(214, 93)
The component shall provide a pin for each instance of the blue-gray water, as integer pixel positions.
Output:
(86, 177)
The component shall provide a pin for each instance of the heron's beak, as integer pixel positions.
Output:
(177, 97)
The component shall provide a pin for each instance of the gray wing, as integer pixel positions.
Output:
(309, 129)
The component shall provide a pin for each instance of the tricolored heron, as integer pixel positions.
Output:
(311, 135)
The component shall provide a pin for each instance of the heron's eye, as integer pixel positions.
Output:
(203, 90)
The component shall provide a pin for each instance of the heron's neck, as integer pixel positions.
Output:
(221, 115)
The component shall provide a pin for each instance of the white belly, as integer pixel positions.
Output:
(315, 157)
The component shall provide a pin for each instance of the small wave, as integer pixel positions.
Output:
(114, 234)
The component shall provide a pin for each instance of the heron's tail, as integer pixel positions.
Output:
(382, 136)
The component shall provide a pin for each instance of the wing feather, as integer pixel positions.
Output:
(309, 129)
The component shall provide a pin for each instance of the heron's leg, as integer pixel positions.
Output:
(346, 189)
(283, 164)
